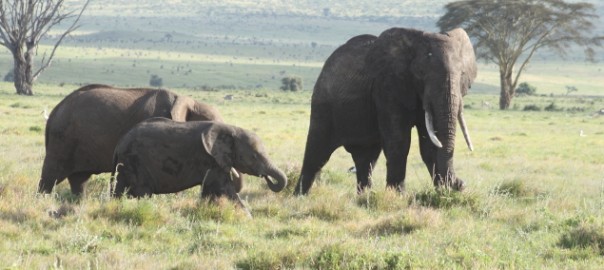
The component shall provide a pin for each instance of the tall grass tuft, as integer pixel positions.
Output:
(446, 199)
(517, 189)
(404, 222)
(270, 259)
(584, 236)
(387, 200)
(221, 210)
(346, 256)
(136, 212)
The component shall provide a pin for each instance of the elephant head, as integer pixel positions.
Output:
(235, 149)
(434, 71)
(186, 109)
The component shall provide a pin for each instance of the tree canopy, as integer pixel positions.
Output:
(509, 32)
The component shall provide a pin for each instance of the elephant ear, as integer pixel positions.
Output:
(467, 57)
(218, 141)
(181, 107)
(392, 52)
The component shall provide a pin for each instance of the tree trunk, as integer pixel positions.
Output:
(23, 72)
(507, 89)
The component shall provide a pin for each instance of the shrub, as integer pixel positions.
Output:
(552, 107)
(531, 107)
(584, 236)
(156, 81)
(291, 83)
(10, 76)
(525, 89)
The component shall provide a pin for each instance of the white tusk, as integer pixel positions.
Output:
(431, 133)
(464, 130)
(234, 172)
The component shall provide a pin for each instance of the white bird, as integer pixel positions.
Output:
(45, 112)
(581, 133)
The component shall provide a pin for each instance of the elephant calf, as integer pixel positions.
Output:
(163, 156)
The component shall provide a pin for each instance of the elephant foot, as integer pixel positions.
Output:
(457, 185)
(400, 187)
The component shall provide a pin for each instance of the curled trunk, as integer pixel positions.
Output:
(278, 176)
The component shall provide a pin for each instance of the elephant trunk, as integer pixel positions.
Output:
(278, 176)
(446, 117)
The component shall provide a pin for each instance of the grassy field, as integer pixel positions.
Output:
(535, 199)
(535, 196)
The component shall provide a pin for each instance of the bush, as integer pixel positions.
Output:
(532, 107)
(525, 89)
(291, 83)
(584, 236)
(552, 107)
(10, 76)
(156, 81)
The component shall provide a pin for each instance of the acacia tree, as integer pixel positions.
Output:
(23, 23)
(510, 32)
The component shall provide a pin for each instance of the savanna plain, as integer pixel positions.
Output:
(534, 200)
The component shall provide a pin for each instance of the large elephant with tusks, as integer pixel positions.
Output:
(373, 90)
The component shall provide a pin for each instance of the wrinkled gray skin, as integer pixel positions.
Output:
(373, 90)
(84, 128)
(163, 156)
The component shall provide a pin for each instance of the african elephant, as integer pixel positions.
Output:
(160, 156)
(84, 128)
(373, 90)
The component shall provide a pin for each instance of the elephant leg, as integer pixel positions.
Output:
(77, 180)
(52, 175)
(396, 162)
(364, 158)
(317, 153)
(395, 129)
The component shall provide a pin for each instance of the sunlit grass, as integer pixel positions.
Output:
(534, 199)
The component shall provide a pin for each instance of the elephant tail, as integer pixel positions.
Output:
(114, 173)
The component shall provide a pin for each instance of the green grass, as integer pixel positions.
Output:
(535, 199)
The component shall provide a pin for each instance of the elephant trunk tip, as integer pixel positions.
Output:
(278, 186)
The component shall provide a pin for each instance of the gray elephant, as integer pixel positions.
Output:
(373, 90)
(163, 156)
(84, 128)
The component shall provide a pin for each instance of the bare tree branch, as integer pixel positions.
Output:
(23, 24)
(74, 26)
